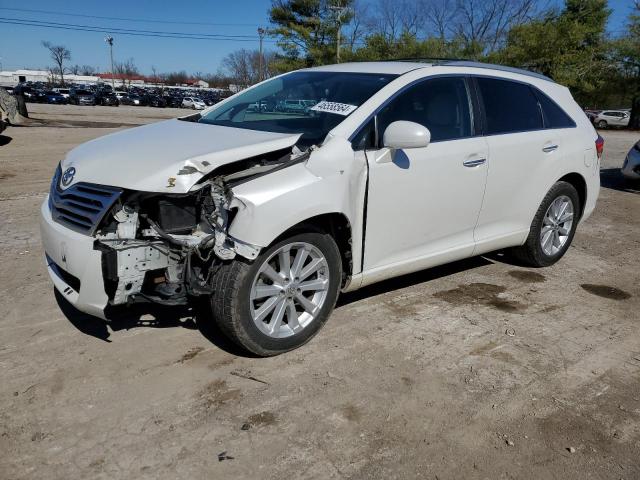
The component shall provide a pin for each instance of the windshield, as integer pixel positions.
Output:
(310, 103)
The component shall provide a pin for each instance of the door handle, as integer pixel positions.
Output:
(549, 148)
(474, 163)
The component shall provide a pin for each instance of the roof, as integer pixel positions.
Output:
(397, 68)
(400, 67)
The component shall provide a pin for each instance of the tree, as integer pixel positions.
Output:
(126, 70)
(568, 46)
(243, 66)
(626, 55)
(59, 54)
(483, 24)
(307, 30)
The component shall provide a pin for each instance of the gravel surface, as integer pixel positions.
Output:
(479, 369)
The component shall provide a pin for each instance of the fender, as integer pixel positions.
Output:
(330, 181)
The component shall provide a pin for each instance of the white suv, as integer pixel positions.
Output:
(403, 166)
(612, 118)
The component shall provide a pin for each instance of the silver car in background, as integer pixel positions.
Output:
(631, 165)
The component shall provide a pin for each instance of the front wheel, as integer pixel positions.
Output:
(279, 301)
(553, 227)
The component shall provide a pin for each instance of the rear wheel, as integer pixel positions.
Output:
(282, 299)
(602, 124)
(553, 227)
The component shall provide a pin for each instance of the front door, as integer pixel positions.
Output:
(423, 203)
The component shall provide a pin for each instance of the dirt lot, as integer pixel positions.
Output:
(480, 369)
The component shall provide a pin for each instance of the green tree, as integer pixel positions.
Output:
(626, 54)
(381, 47)
(307, 30)
(569, 46)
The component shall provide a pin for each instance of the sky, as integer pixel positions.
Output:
(21, 45)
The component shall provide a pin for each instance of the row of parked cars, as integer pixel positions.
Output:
(105, 95)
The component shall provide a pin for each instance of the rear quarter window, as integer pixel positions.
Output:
(554, 115)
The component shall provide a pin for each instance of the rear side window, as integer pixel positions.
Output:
(554, 116)
(509, 106)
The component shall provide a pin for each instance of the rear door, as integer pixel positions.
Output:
(524, 157)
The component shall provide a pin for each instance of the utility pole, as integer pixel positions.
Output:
(261, 33)
(340, 11)
(109, 40)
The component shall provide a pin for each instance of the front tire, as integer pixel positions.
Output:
(279, 301)
(553, 227)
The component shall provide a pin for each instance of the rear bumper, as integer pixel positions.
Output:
(74, 266)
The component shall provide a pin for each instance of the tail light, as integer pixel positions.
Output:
(599, 146)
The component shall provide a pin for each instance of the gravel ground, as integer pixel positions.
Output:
(479, 369)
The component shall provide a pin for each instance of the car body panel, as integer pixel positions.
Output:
(631, 166)
(74, 253)
(429, 183)
(145, 158)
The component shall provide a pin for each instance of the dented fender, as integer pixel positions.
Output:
(332, 180)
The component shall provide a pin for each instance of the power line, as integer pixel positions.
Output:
(121, 31)
(125, 19)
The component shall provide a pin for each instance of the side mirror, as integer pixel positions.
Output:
(403, 134)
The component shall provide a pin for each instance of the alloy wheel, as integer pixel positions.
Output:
(289, 289)
(557, 224)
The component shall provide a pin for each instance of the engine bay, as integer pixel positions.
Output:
(165, 248)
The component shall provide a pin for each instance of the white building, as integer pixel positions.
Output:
(12, 78)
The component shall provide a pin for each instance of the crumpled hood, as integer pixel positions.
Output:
(169, 156)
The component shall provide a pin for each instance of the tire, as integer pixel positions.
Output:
(234, 310)
(602, 124)
(532, 253)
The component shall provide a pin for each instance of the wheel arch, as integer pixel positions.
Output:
(580, 184)
(338, 226)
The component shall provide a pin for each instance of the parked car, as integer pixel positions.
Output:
(612, 118)
(54, 98)
(133, 99)
(63, 91)
(108, 99)
(79, 96)
(31, 94)
(173, 101)
(631, 165)
(592, 114)
(403, 166)
(193, 102)
(156, 101)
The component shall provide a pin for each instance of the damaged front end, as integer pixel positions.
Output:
(166, 248)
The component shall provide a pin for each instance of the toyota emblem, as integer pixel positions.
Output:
(67, 176)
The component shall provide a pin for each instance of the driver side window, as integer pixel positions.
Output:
(440, 104)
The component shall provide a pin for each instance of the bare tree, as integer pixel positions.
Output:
(355, 30)
(484, 24)
(59, 54)
(126, 70)
(439, 15)
(243, 66)
(239, 64)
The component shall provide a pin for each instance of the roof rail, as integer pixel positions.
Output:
(503, 68)
(464, 62)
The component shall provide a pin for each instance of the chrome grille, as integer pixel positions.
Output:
(82, 206)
